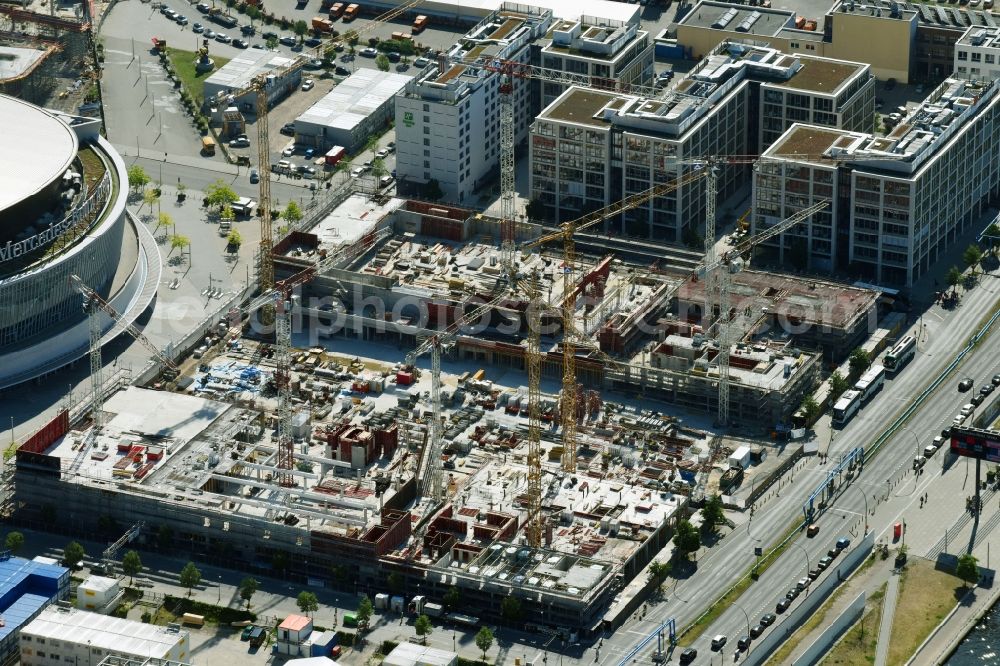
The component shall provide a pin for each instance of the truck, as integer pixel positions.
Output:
(351, 12)
(225, 20)
(402, 37)
(322, 24)
(419, 24)
(336, 11)
(334, 155)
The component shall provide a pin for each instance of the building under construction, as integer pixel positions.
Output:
(201, 465)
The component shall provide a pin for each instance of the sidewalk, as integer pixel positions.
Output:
(198, 163)
(952, 630)
(888, 612)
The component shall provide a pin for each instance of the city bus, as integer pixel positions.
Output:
(901, 354)
(846, 407)
(871, 382)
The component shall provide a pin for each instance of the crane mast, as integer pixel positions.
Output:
(534, 363)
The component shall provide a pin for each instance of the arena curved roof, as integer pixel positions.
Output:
(35, 149)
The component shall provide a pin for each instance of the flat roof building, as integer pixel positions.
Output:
(977, 54)
(26, 587)
(356, 108)
(589, 148)
(897, 202)
(240, 71)
(67, 635)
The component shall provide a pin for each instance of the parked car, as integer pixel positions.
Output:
(308, 84)
(824, 562)
(996, 380)
(782, 606)
(288, 129)
(803, 583)
(315, 63)
(209, 33)
(393, 56)
(757, 630)
(743, 643)
(357, 172)
(240, 142)
(718, 642)
(289, 151)
(386, 181)
(223, 38)
(421, 62)
(254, 176)
(842, 543)
(382, 154)
(313, 42)
(181, 20)
(986, 389)
(369, 52)
(248, 30)
(767, 619)
(241, 43)
(198, 28)
(341, 71)
(269, 35)
(203, 7)
(310, 153)
(965, 384)
(287, 41)
(792, 594)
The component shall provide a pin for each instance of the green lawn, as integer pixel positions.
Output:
(926, 596)
(857, 647)
(193, 81)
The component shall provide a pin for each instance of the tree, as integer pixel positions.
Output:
(712, 513)
(179, 242)
(395, 582)
(248, 587)
(227, 213)
(484, 640)
(190, 577)
(15, 540)
(809, 408)
(364, 612)
(953, 277)
(307, 602)
(968, 568)
(292, 213)
(378, 167)
(535, 210)
(432, 190)
(972, 256)
(423, 626)
(658, 572)
(859, 361)
(993, 236)
(164, 220)
(220, 194)
(138, 179)
(382, 62)
(150, 197)
(234, 239)
(73, 554)
(300, 29)
(510, 609)
(351, 37)
(271, 42)
(131, 565)
(687, 539)
(451, 597)
(837, 385)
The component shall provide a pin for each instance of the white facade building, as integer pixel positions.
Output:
(71, 636)
(355, 109)
(236, 75)
(99, 594)
(448, 119)
(977, 54)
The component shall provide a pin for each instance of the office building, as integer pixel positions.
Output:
(68, 635)
(589, 148)
(897, 202)
(358, 107)
(610, 53)
(977, 54)
(448, 119)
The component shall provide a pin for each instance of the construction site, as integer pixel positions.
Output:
(409, 412)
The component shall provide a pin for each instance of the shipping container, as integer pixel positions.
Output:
(419, 24)
(350, 620)
(322, 24)
(334, 155)
(336, 11)
(351, 12)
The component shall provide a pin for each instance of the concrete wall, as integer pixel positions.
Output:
(826, 640)
(769, 644)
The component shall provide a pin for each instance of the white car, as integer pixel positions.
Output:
(357, 172)
(223, 38)
(382, 154)
(289, 151)
(308, 84)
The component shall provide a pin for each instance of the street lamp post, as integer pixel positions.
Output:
(864, 496)
(747, 617)
(220, 590)
(806, 553)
